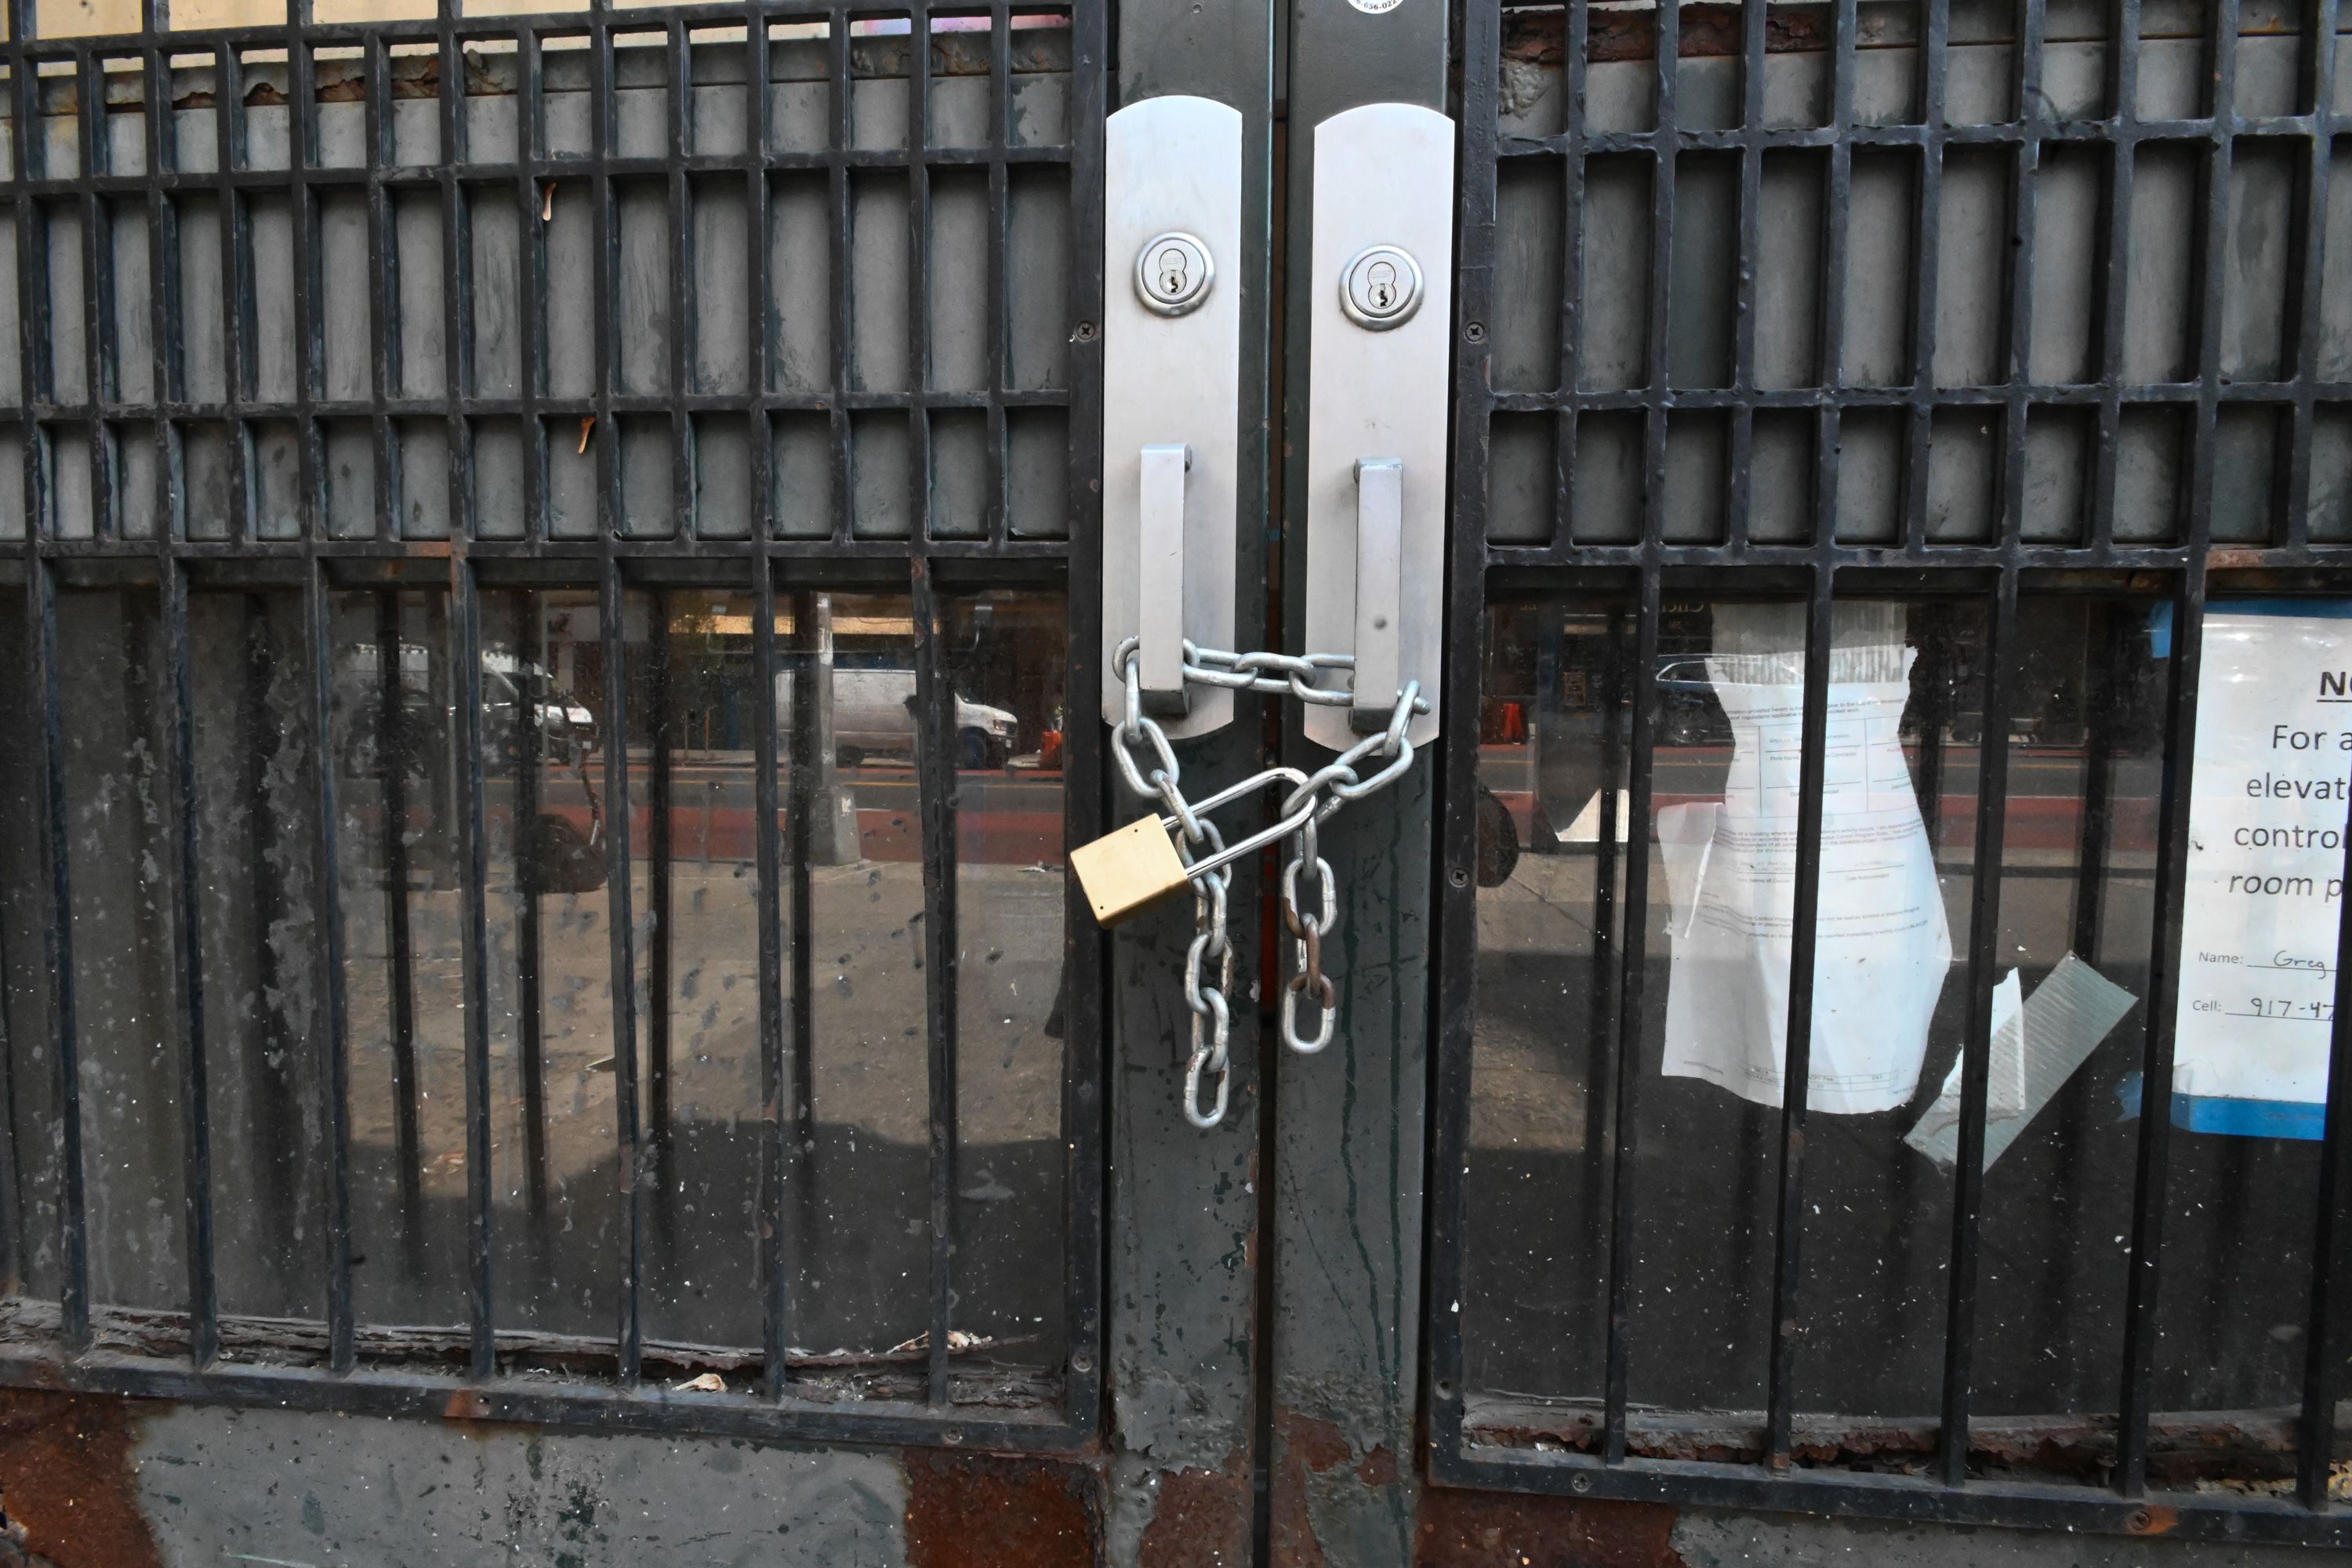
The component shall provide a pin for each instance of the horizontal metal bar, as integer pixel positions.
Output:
(2010, 133)
(557, 168)
(597, 1406)
(2203, 1516)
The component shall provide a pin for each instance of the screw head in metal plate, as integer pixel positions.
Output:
(1380, 288)
(1173, 273)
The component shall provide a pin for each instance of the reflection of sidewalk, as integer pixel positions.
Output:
(869, 1001)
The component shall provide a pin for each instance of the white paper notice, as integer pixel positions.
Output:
(1882, 949)
(2265, 858)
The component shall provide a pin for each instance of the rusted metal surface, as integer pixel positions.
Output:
(1202, 1520)
(1334, 1505)
(973, 1511)
(68, 1475)
(1473, 1529)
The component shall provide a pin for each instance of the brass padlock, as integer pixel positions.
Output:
(1125, 871)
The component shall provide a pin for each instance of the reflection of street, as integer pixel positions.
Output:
(857, 1196)
(2043, 812)
(1004, 815)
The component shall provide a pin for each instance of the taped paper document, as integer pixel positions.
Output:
(2037, 1045)
(1882, 949)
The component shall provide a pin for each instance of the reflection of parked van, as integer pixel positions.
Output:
(874, 714)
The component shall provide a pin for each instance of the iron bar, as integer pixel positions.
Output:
(1975, 1046)
(472, 828)
(620, 922)
(935, 766)
(1631, 981)
(774, 1251)
(534, 848)
(393, 754)
(2152, 1168)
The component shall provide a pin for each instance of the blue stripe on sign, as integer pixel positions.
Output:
(2159, 617)
(2233, 1118)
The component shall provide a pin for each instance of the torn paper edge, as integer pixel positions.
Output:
(2054, 1033)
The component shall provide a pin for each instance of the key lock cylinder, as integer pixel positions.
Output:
(1375, 524)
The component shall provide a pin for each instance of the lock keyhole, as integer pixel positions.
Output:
(1172, 274)
(1380, 288)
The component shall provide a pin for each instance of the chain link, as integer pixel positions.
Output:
(1147, 764)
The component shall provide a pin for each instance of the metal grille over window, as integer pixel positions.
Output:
(537, 561)
(1890, 1051)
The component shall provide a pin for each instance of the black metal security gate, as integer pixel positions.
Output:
(550, 559)
(2011, 335)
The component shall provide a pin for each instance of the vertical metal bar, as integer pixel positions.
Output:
(2323, 1367)
(2307, 262)
(531, 262)
(838, 261)
(1456, 835)
(919, 270)
(383, 292)
(621, 923)
(604, 274)
(677, 75)
(2144, 1268)
(1084, 1039)
(1656, 349)
(2111, 271)
(1829, 304)
(775, 1256)
(1742, 415)
(1572, 294)
(465, 655)
(100, 382)
(1631, 981)
(187, 904)
(1796, 1074)
(238, 311)
(58, 951)
(1976, 1044)
(759, 431)
(392, 752)
(327, 894)
(1000, 210)
(1926, 257)
(799, 848)
(661, 714)
(195, 1096)
(456, 275)
(532, 850)
(935, 766)
(2322, 1362)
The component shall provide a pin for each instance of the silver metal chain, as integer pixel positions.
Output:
(1148, 765)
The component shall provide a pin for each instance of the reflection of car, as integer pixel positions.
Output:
(874, 714)
(1688, 713)
(567, 731)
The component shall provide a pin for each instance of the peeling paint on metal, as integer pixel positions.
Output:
(68, 1473)
(973, 1511)
(1335, 1506)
